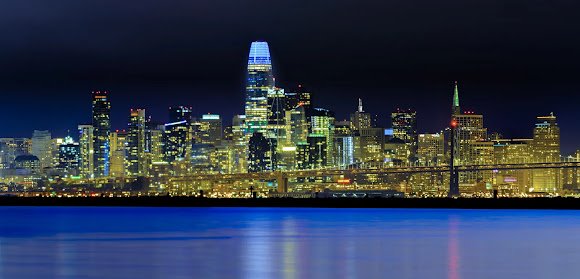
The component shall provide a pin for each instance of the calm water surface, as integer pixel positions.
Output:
(85, 242)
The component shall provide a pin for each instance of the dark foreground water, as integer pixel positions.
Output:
(83, 242)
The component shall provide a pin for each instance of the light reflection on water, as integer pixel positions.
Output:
(78, 242)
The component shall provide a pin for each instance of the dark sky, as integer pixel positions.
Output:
(514, 59)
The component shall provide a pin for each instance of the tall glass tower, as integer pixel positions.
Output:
(101, 132)
(259, 80)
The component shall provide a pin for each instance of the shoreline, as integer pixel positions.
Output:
(460, 203)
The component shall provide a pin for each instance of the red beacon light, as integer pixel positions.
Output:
(453, 123)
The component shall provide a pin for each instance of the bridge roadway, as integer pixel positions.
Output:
(282, 176)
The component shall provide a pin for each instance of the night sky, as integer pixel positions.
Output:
(514, 59)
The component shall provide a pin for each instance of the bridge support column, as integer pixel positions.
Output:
(282, 181)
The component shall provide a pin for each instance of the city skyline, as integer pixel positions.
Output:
(188, 58)
(426, 124)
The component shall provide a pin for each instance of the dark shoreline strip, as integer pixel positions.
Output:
(463, 203)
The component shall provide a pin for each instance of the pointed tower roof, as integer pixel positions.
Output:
(456, 109)
(456, 96)
(360, 105)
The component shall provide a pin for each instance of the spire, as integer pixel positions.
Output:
(360, 105)
(456, 108)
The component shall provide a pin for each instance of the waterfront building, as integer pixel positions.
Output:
(136, 159)
(42, 148)
(177, 137)
(69, 157)
(317, 151)
(322, 124)
(546, 149)
(212, 132)
(431, 149)
(513, 151)
(259, 81)
(344, 144)
(261, 156)
(361, 119)
(101, 133)
(86, 144)
(118, 149)
(405, 128)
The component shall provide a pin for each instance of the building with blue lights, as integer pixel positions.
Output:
(260, 80)
(101, 132)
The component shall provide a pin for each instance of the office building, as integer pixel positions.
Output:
(101, 133)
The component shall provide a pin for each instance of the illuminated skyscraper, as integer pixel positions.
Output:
(260, 157)
(136, 159)
(405, 128)
(102, 129)
(546, 148)
(360, 119)
(431, 149)
(118, 150)
(69, 156)
(212, 132)
(86, 141)
(177, 137)
(322, 124)
(41, 147)
(259, 81)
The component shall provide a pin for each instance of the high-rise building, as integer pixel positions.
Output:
(471, 145)
(136, 144)
(259, 81)
(260, 155)
(405, 128)
(69, 157)
(101, 132)
(322, 123)
(212, 132)
(86, 143)
(41, 147)
(546, 149)
(317, 151)
(431, 149)
(177, 139)
(361, 119)
(513, 151)
(118, 151)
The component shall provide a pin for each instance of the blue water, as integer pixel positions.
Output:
(85, 242)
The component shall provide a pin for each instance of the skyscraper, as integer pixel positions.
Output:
(322, 124)
(87, 150)
(260, 157)
(259, 81)
(41, 147)
(69, 156)
(136, 159)
(118, 150)
(212, 131)
(360, 119)
(546, 149)
(405, 128)
(177, 138)
(101, 132)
